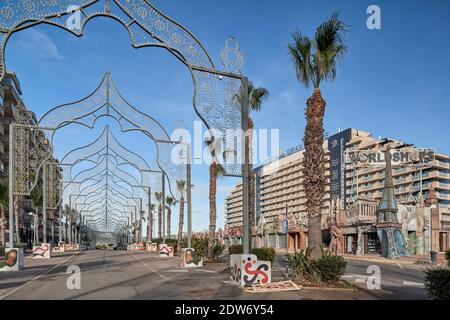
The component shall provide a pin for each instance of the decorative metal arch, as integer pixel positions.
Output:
(107, 101)
(215, 91)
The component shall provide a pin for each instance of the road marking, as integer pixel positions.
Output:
(6, 295)
(175, 271)
(413, 284)
(150, 268)
(400, 265)
(204, 270)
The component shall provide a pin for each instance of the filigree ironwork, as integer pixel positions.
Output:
(214, 102)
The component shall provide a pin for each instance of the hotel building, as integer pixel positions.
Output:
(279, 193)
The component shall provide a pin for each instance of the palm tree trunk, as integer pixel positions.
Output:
(180, 224)
(314, 168)
(17, 218)
(169, 214)
(212, 207)
(2, 226)
(36, 226)
(160, 221)
(150, 225)
(53, 232)
(251, 181)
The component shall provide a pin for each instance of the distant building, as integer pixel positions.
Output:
(280, 195)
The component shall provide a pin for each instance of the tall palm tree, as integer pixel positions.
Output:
(3, 204)
(314, 61)
(181, 187)
(215, 170)
(158, 196)
(169, 203)
(150, 223)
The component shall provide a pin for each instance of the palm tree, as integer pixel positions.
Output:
(181, 186)
(315, 61)
(150, 223)
(169, 202)
(158, 196)
(3, 203)
(215, 170)
(37, 198)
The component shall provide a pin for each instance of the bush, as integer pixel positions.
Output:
(447, 256)
(437, 283)
(302, 264)
(328, 268)
(201, 246)
(218, 250)
(265, 254)
(235, 249)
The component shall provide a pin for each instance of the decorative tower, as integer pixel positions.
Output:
(389, 229)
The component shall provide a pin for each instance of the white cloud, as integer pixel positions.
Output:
(39, 45)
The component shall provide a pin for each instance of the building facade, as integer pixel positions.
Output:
(10, 99)
(352, 189)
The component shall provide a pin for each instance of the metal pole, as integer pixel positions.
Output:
(128, 231)
(188, 195)
(140, 219)
(44, 203)
(60, 222)
(150, 215)
(163, 209)
(11, 185)
(244, 165)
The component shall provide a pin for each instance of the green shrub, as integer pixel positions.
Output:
(447, 256)
(265, 254)
(302, 264)
(330, 267)
(235, 249)
(218, 250)
(437, 283)
(201, 246)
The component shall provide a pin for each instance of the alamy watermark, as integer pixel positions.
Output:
(74, 280)
(224, 147)
(374, 20)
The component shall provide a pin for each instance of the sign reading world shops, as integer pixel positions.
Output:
(412, 156)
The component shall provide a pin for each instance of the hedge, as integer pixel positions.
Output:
(437, 283)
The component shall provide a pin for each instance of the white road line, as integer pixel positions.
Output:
(204, 270)
(401, 267)
(6, 295)
(150, 268)
(413, 284)
(176, 271)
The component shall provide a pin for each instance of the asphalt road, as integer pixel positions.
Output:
(388, 280)
(396, 280)
(141, 275)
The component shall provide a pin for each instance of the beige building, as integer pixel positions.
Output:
(279, 191)
(413, 184)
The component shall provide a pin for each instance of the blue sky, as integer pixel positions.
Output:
(393, 82)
